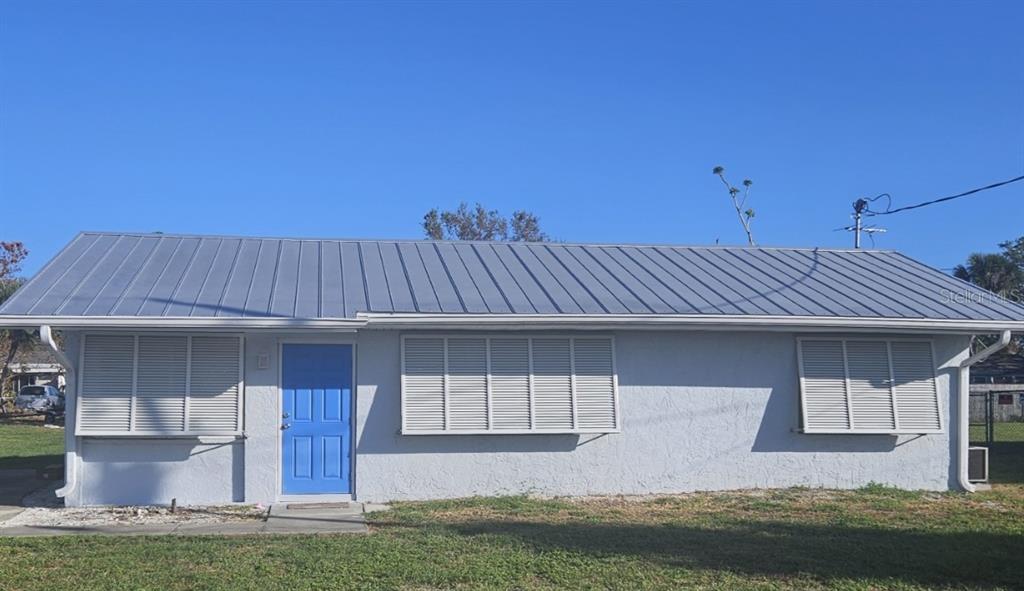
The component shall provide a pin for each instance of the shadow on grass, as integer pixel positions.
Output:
(776, 549)
(1006, 462)
(33, 462)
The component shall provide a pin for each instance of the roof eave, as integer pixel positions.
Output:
(180, 323)
(683, 322)
(399, 321)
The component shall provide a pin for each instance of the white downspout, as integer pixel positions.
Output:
(963, 396)
(70, 443)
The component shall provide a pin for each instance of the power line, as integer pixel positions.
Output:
(941, 199)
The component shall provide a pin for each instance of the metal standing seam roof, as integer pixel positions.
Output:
(162, 275)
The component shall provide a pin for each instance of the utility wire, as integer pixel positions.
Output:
(941, 199)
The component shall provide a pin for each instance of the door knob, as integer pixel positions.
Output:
(285, 426)
(285, 416)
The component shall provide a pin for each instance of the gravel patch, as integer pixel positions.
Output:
(51, 516)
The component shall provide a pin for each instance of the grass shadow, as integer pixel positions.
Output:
(30, 462)
(1006, 462)
(830, 553)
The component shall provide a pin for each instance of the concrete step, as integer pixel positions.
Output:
(316, 518)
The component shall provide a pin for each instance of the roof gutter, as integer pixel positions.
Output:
(677, 322)
(182, 322)
(963, 396)
(70, 442)
(459, 321)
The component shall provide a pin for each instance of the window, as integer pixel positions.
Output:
(160, 385)
(860, 385)
(508, 384)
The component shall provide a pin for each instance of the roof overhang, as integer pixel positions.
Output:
(369, 320)
(179, 323)
(682, 322)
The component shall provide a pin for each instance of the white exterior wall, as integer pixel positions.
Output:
(149, 471)
(699, 411)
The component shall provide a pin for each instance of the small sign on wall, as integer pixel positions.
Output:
(1006, 399)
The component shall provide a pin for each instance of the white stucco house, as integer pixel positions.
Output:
(213, 369)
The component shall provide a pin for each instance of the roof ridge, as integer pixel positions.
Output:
(508, 242)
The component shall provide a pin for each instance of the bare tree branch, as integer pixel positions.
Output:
(744, 215)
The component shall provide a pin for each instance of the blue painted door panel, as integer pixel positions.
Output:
(316, 384)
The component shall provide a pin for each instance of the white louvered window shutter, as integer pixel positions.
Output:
(552, 384)
(594, 383)
(423, 384)
(823, 381)
(870, 385)
(467, 384)
(166, 385)
(508, 384)
(863, 385)
(214, 395)
(160, 384)
(917, 397)
(105, 394)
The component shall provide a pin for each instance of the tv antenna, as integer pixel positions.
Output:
(860, 206)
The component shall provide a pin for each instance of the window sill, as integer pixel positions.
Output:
(514, 432)
(200, 437)
(869, 432)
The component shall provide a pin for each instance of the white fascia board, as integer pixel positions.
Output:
(179, 323)
(525, 322)
(679, 321)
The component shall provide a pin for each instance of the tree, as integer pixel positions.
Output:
(11, 255)
(11, 341)
(739, 202)
(526, 228)
(1014, 250)
(479, 223)
(1001, 273)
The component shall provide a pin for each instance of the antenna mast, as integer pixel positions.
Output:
(858, 208)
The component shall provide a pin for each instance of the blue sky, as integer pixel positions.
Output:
(605, 119)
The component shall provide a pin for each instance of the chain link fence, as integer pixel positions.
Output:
(997, 417)
(997, 422)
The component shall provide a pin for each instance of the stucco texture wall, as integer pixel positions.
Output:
(135, 471)
(154, 471)
(699, 411)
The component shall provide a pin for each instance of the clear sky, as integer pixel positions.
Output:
(605, 119)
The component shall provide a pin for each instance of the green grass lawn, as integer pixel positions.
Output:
(874, 538)
(25, 443)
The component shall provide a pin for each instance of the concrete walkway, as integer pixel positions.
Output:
(333, 518)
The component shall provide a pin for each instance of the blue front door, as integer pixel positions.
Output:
(316, 387)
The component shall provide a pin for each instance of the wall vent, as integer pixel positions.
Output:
(977, 464)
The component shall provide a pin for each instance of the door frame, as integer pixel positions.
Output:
(279, 475)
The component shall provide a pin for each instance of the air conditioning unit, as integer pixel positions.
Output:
(977, 464)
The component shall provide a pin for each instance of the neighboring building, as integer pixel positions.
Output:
(215, 369)
(36, 366)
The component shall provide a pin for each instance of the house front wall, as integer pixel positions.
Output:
(699, 411)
